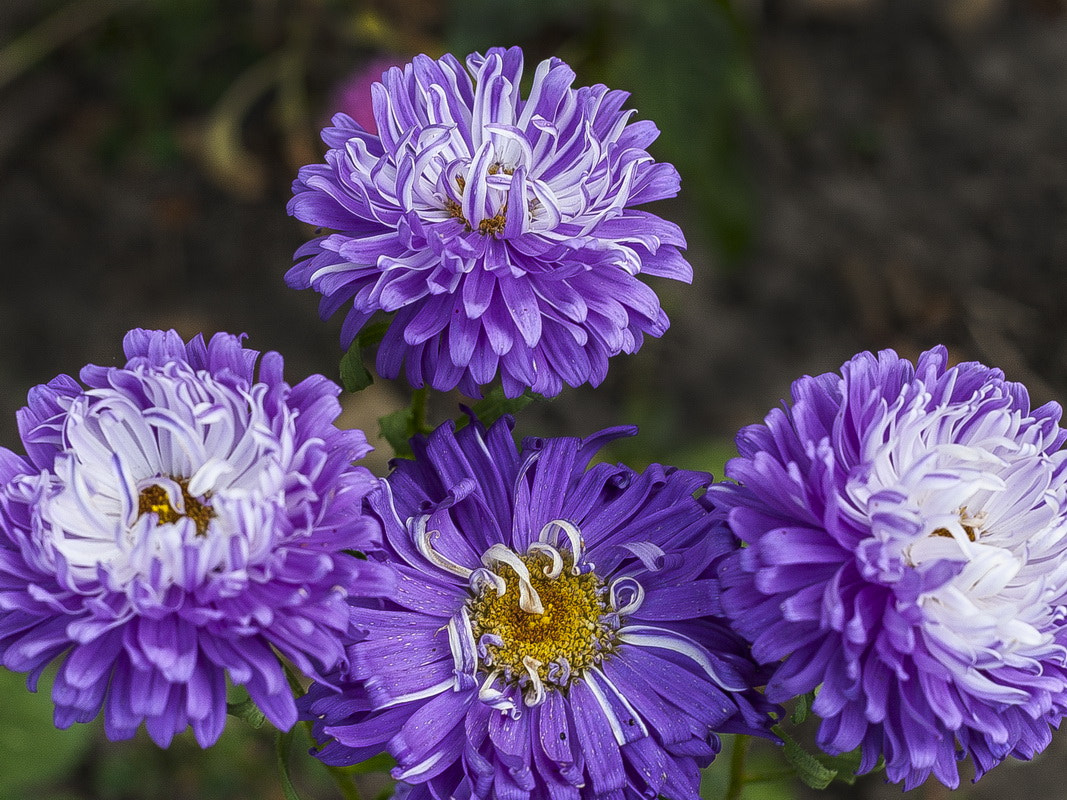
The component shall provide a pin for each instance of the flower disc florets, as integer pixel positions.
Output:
(907, 555)
(550, 623)
(500, 229)
(178, 520)
(554, 630)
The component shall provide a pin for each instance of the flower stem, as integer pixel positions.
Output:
(770, 777)
(282, 742)
(346, 784)
(737, 767)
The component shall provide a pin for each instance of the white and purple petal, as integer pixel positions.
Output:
(906, 531)
(634, 716)
(182, 518)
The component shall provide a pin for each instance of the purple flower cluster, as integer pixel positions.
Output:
(178, 521)
(556, 629)
(500, 230)
(524, 622)
(906, 532)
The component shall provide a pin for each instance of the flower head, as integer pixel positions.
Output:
(555, 630)
(500, 230)
(907, 554)
(177, 521)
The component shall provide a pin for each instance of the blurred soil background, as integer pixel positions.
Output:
(857, 174)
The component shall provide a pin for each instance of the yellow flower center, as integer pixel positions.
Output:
(569, 631)
(155, 500)
(971, 524)
(491, 226)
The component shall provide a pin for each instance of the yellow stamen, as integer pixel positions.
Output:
(568, 630)
(971, 525)
(154, 500)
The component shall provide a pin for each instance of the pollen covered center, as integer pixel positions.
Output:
(490, 226)
(564, 639)
(155, 500)
(972, 525)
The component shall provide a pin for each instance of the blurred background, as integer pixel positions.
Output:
(856, 174)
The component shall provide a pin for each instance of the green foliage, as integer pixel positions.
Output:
(845, 765)
(245, 709)
(495, 405)
(808, 768)
(688, 69)
(687, 64)
(802, 708)
(355, 376)
(397, 428)
(817, 770)
(764, 777)
(282, 744)
(35, 754)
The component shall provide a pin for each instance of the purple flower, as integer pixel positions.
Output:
(499, 230)
(907, 531)
(177, 522)
(555, 630)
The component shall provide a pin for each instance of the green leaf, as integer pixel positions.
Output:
(808, 768)
(495, 405)
(383, 762)
(372, 334)
(802, 708)
(397, 428)
(845, 765)
(355, 376)
(247, 711)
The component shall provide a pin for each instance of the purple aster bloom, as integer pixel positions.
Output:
(500, 230)
(179, 520)
(906, 530)
(556, 629)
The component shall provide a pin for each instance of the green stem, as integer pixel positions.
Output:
(770, 777)
(346, 784)
(282, 741)
(737, 767)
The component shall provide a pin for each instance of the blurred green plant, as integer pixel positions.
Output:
(687, 64)
(35, 753)
(38, 760)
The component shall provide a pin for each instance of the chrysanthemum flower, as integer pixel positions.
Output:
(907, 533)
(555, 631)
(179, 520)
(500, 230)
